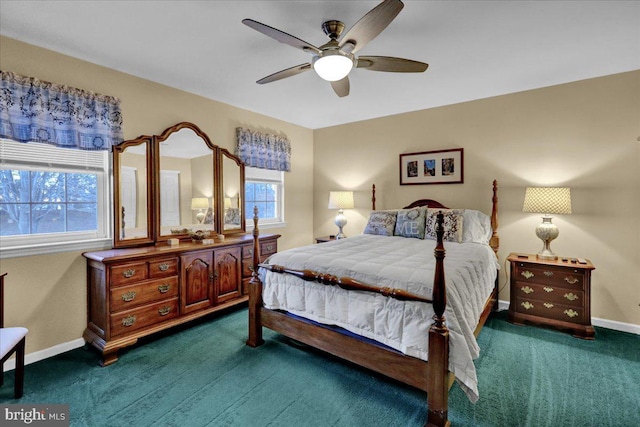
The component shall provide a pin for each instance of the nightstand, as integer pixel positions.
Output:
(551, 292)
(324, 239)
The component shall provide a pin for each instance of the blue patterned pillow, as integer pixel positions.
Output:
(381, 223)
(411, 223)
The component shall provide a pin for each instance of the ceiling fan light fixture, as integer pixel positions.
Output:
(333, 65)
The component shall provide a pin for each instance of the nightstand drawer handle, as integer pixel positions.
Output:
(527, 305)
(527, 274)
(526, 290)
(548, 289)
(129, 320)
(548, 273)
(571, 312)
(571, 280)
(128, 296)
(164, 266)
(548, 305)
(571, 296)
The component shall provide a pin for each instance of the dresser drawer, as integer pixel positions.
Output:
(124, 322)
(548, 310)
(125, 297)
(568, 278)
(267, 248)
(128, 273)
(163, 268)
(549, 293)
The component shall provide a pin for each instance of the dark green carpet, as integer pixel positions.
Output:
(206, 376)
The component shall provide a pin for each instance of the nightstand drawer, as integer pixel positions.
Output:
(546, 309)
(549, 293)
(565, 277)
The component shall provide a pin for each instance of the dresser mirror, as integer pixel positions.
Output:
(187, 184)
(132, 164)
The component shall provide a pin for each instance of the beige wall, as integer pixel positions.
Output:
(583, 135)
(47, 294)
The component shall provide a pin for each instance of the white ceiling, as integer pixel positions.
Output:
(475, 49)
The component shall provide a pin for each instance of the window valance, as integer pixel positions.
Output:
(261, 150)
(37, 111)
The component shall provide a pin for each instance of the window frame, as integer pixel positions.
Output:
(23, 156)
(259, 176)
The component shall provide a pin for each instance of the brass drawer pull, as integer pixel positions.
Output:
(527, 274)
(163, 289)
(548, 273)
(128, 321)
(571, 296)
(527, 305)
(548, 305)
(128, 273)
(526, 290)
(269, 247)
(548, 289)
(571, 312)
(250, 252)
(128, 296)
(163, 311)
(164, 266)
(571, 280)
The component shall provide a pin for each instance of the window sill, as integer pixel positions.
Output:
(266, 225)
(50, 248)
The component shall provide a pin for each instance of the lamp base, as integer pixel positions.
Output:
(340, 221)
(547, 231)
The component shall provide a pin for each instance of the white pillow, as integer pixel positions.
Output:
(477, 227)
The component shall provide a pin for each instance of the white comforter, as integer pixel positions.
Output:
(397, 262)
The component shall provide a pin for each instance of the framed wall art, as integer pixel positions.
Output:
(432, 167)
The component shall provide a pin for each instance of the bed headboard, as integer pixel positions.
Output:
(495, 239)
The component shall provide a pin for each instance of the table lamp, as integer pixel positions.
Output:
(200, 204)
(547, 200)
(340, 200)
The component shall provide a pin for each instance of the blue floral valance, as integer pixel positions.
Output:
(36, 111)
(261, 150)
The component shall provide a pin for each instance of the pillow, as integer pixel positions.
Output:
(411, 223)
(453, 223)
(381, 223)
(477, 227)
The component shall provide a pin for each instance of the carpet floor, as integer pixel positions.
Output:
(204, 375)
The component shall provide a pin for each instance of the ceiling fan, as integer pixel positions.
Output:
(334, 60)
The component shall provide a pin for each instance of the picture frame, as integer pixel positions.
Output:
(432, 167)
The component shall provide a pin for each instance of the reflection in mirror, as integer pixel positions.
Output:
(186, 186)
(132, 212)
(232, 193)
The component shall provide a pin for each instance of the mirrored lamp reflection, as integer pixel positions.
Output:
(200, 204)
(340, 200)
(547, 200)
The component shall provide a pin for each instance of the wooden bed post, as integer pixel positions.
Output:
(373, 197)
(494, 242)
(438, 367)
(255, 290)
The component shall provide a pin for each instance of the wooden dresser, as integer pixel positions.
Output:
(556, 293)
(139, 291)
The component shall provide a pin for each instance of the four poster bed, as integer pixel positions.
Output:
(367, 299)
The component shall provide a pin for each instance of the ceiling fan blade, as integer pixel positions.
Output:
(281, 36)
(391, 64)
(283, 74)
(370, 25)
(341, 87)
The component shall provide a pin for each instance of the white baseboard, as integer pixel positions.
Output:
(45, 354)
(77, 343)
(595, 321)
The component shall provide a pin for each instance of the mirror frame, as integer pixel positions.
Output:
(153, 180)
(118, 150)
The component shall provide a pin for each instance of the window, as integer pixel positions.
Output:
(265, 189)
(52, 199)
